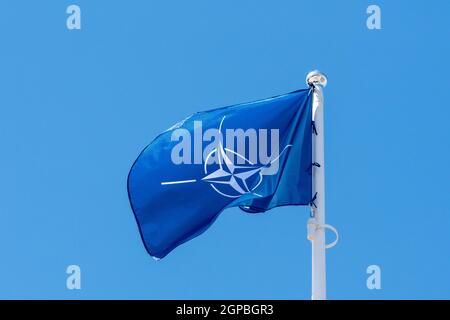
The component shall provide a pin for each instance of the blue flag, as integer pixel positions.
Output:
(255, 155)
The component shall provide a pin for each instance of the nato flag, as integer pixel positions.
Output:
(255, 155)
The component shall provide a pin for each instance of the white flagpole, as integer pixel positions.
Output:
(316, 225)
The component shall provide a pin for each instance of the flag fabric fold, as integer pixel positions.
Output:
(256, 156)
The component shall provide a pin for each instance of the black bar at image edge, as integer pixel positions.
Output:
(218, 309)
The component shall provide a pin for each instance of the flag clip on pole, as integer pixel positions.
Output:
(316, 224)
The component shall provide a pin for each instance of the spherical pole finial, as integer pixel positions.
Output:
(316, 78)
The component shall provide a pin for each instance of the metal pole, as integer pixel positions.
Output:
(316, 230)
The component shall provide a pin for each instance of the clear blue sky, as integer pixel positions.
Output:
(78, 106)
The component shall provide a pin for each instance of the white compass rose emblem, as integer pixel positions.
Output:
(229, 179)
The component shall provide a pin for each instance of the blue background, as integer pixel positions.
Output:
(78, 106)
